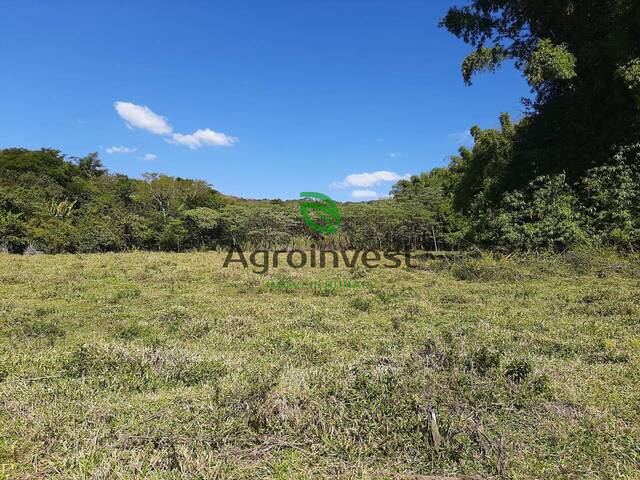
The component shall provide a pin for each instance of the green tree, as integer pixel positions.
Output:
(429, 217)
(91, 165)
(173, 236)
(581, 59)
(203, 224)
(12, 232)
(482, 172)
(542, 217)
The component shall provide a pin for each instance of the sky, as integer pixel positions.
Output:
(261, 99)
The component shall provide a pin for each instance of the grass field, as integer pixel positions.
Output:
(149, 365)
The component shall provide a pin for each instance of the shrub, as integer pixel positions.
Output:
(611, 200)
(484, 359)
(53, 235)
(99, 235)
(13, 236)
(362, 304)
(543, 217)
(174, 236)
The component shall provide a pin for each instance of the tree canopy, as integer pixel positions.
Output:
(582, 60)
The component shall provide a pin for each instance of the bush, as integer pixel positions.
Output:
(611, 200)
(518, 370)
(53, 235)
(13, 236)
(544, 217)
(174, 236)
(99, 235)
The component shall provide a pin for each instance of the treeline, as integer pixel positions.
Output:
(51, 204)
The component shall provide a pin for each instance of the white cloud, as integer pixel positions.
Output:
(395, 154)
(149, 157)
(364, 194)
(203, 137)
(139, 116)
(461, 138)
(121, 149)
(369, 179)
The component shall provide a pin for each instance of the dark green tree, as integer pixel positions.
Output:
(582, 60)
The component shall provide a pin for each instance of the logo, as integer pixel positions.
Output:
(321, 215)
(326, 218)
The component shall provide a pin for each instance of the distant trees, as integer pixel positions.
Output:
(78, 206)
(69, 208)
(55, 205)
(427, 201)
(91, 165)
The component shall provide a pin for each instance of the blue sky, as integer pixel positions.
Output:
(262, 99)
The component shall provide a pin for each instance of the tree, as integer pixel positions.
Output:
(582, 60)
(428, 204)
(170, 196)
(234, 222)
(483, 172)
(12, 232)
(203, 224)
(91, 165)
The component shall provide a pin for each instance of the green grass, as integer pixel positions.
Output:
(149, 365)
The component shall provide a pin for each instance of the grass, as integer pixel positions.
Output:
(149, 365)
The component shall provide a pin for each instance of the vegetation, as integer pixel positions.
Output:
(155, 365)
(581, 60)
(53, 205)
(566, 174)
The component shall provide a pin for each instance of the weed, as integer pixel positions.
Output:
(518, 370)
(362, 304)
(484, 359)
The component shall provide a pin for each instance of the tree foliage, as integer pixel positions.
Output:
(556, 177)
(581, 59)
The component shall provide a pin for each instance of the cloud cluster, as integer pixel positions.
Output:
(139, 116)
(361, 194)
(201, 138)
(120, 149)
(149, 157)
(368, 179)
(362, 182)
(142, 117)
(462, 138)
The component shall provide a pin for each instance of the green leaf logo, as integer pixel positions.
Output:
(327, 215)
